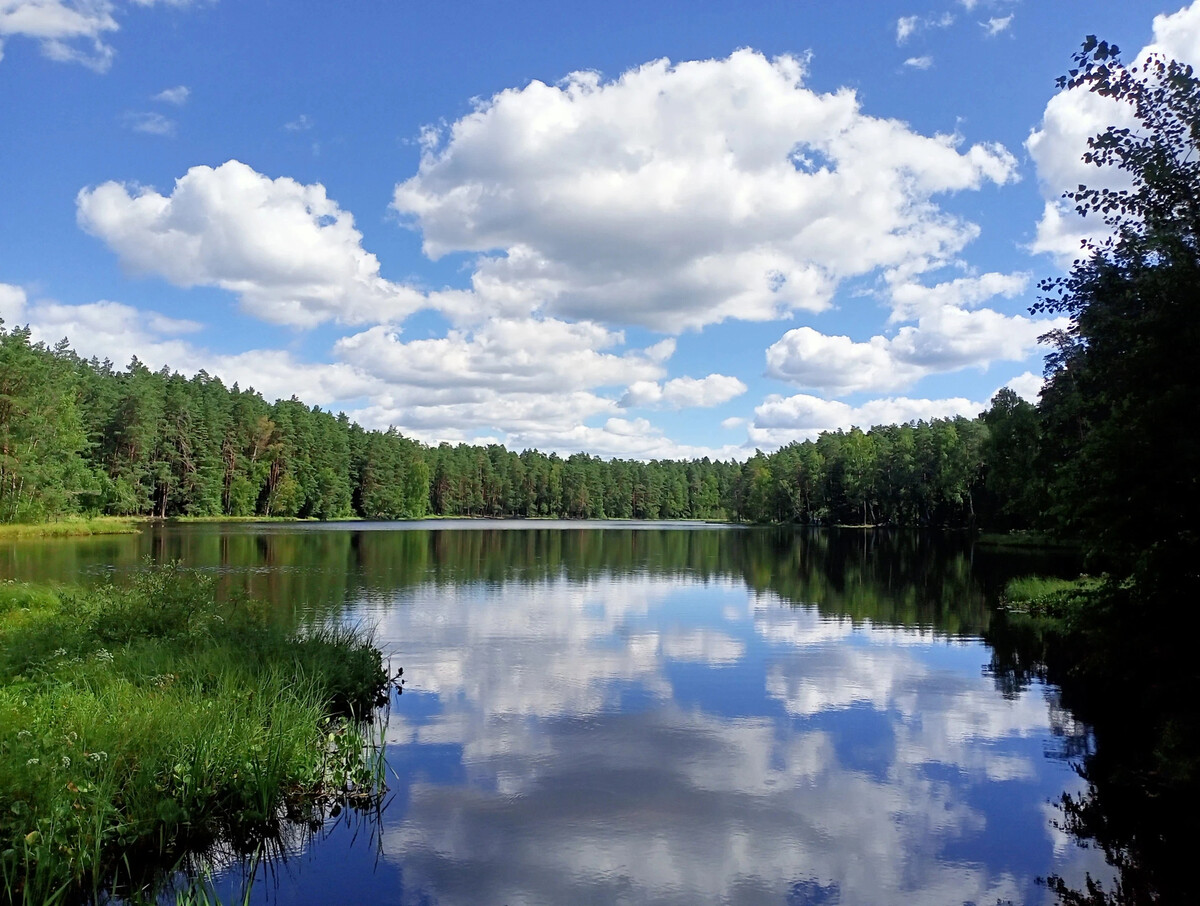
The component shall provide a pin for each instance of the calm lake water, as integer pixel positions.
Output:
(639, 713)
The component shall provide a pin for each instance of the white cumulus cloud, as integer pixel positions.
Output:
(949, 334)
(178, 95)
(1027, 385)
(677, 196)
(503, 355)
(780, 420)
(289, 251)
(1073, 116)
(68, 31)
(531, 382)
(684, 392)
(837, 364)
(12, 304)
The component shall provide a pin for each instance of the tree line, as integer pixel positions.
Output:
(80, 436)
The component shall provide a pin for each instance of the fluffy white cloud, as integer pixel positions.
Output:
(1027, 385)
(919, 62)
(1178, 34)
(287, 249)
(102, 329)
(505, 355)
(178, 95)
(533, 382)
(684, 392)
(947, 336)
(66, 31)
(951, 338)
(680, 195)
(780, 420)
(12, 304)
(837, 364)
(69, 31)
(911, 300)
(1071, 118)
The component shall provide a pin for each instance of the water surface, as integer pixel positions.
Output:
(639, 713)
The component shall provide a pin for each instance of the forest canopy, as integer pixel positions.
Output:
(81, 437)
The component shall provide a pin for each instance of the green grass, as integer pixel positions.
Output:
(238, 519)
(139, 724)
(101, 525)
(1047, 596)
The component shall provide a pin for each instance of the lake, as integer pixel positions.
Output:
(661, 713)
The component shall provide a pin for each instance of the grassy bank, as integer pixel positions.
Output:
(207, 519)
(101, 525)
(139, 724)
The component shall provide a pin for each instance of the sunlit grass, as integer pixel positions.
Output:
(1046, 595)
(100, 525)
(137, 723)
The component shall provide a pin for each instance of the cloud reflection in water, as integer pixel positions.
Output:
(650, 739)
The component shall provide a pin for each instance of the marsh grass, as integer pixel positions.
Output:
(139, 724)
(99, 525)
(1048, 596)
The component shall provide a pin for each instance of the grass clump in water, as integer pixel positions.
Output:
(138, 724)
(1049, 597)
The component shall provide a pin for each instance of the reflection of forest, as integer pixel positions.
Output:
(907, 578)
(1127, 681)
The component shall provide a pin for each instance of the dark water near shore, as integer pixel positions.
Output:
(637, 713)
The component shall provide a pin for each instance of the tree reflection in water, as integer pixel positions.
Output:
(1134, 684)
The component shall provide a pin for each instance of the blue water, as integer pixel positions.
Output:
(668, 715)
(661, 739)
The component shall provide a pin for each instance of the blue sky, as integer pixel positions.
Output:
(644, 230)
